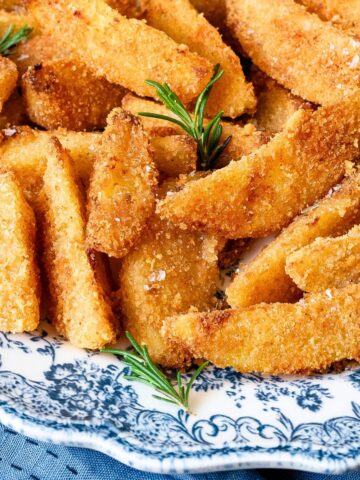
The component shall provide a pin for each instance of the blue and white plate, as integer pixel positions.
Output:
(54, 392)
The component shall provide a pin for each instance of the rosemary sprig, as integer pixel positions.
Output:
(10, 38)
(144, 370)
(207, 137)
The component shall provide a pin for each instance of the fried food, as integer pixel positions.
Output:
(19, 281)
(175, 154)
(260, 194)
(214, 11)
(121, 195)
(84, 26)
(342, 14)
(13, 112)
(169, 271)
(79, 307)
(245, 139)
(326, 262)
(128, 8)
(180, 20)
(8, 79)
(264, 279)
(280, 338)
(57, 95)
(275, 104)
(310, 57)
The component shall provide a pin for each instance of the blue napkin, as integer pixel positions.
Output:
(23, 458)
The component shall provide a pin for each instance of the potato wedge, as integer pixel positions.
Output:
(260, 194)
(180, 20)
(310, 57)
(84, 26)
(79, 307)
(58, 95)
(275, 103)
(169, 271)
(280, 338)
(8, 79)
(264, 279)
(121, 195)
(326, 262)
(175, 154)
(19, 281)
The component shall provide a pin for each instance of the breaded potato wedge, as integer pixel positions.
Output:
(175, 154)
(245, 139)
(19, 281)
(279, 338)
(121, 196)
(264, 279)
(326, 262)
(344, 14)
(169, 271)
(8, 79)
(180, 20)
(275, 104)
(312, 58)
(84, 26)
(78, 304)
(58, 95)
(260, 194)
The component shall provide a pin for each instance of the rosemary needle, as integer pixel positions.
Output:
(144, 370)
(207, 137)
(10, 38)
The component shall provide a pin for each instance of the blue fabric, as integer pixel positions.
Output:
(22, 458)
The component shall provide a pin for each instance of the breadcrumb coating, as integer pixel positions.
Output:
(260, 194)
(264, 279)
(79, 307)
(312, 58)
(19, 280)
(8, 79)
(326, 262)
(84, 26)
(175, 154)
(278, 338)
(121, 196)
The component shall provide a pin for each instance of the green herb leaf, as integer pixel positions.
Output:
(144, 370)
(10, 38)
(207, 139)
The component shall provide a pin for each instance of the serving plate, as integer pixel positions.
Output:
(54, 392)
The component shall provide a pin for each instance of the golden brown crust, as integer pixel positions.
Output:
(85, 25)
(310, 57)
(326, 263)
(278, 338)
(264, 279)
(80, 310)
(169, 271)
(63, 94)
(121, 195)
(261, 193)
(175, 154)
(19, 281)
(8, 76)
(180, 20)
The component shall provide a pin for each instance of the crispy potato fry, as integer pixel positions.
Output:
(312, 58)
(19, 281)
(80, 310)
(180, 20)
(174, 154)
(275, 103)
(84, 26)
(58, 95)
(280, 338)
(344, 14)
(8, 79)
(121, 195)
(326, 263)
(169, 271)
(260, 194)
(244, 139)
(264, 279)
